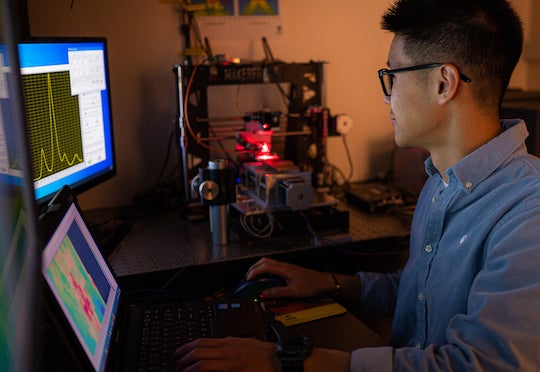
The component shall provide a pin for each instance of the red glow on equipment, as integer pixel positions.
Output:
(265, 147)
(266, 157)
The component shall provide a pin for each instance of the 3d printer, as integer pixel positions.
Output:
(268, 181)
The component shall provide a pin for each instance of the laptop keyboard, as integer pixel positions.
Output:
(167, 327)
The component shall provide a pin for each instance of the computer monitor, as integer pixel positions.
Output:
(19, 242)
(67, 97)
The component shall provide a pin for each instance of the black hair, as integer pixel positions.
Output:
(483, 38)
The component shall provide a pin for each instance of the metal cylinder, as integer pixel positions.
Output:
(219, 224)
(218, 164)
(219, 212)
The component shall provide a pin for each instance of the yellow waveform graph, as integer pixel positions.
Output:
(62, 157)
(54, 123)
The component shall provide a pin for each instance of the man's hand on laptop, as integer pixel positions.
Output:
(247, 354)
(227, 354)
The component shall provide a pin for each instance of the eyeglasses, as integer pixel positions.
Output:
(387, 76)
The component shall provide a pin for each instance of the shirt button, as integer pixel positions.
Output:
(418, 346)
(433, 200)
(420, 296)
(428, 248)
(468, 184)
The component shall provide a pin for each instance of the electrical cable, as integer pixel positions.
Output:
(166, 161)
(248, 224)
(269, 56)
(349, 157)
(198, 140)
(227, 153)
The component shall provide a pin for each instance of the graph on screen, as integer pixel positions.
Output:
(54, 131)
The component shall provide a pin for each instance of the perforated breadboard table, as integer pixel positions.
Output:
(168, 241)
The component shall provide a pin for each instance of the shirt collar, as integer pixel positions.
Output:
(478, 165)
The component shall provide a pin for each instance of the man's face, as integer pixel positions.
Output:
(410, 101)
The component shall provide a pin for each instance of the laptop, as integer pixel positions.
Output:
(102, 329)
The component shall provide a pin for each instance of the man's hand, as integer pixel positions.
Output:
(227, 354)
(301, 282)
(246, 354)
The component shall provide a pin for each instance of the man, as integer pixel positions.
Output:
(469, 296)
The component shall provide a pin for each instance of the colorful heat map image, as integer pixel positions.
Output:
(215, 7)
(258, 7)
(78, 292)
(245, 7)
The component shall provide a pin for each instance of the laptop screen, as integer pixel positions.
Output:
(83, 285)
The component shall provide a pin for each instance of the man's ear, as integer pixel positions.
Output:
(447, 83)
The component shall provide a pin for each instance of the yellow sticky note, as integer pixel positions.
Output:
(308, 315)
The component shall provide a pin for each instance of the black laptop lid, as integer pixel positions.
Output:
(81, 283)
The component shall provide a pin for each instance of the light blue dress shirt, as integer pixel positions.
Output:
(469, 296)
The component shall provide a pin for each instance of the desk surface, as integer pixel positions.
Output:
(168, 241)
(343, 332)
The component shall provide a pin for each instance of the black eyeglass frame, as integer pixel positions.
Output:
(386, 72)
